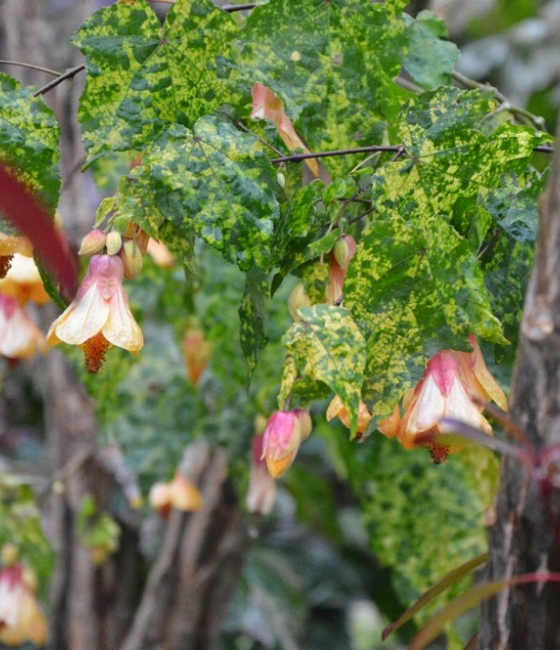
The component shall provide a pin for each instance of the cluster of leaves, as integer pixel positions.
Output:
(445, 232)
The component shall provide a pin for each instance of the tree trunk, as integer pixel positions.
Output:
(526, 535)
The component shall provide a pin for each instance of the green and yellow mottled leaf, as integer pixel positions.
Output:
(415, 287)
(326, 347)
(213, 181)
(430, 60)
(252, 331)
(142, 76)
(29, 140)
(332, 63)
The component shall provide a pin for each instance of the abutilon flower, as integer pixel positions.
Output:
(455, 385)
(196, 352)
(9, 246)
(340, 258)
(24, 282)
(284, 433)
(262, 486)
(180, 494)
(21, 619)
(336, 409)
(20, 338)
(99, 316)
(268, 106)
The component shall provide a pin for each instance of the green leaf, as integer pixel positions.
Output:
(327, 347)
(142, 77)
(332, 63)
(430, 60)
(416, 288)
(213, 181)
(29, 140)
(515, 207)
(251, 314)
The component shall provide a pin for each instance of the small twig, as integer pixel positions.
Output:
(31, 66)
(71, 72)
(361, 216)
(408, 85)
(530, 119)
(229, 8)
(241, 126)
(298, 157)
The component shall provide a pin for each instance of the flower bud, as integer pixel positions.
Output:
(281, 179)
(185, 496)
(114, 242)
(93, 242)
(298, 298)
(281, 441)
(9, 554)
(132, 259)
(337, 409)
(344, 251)
(196, 351)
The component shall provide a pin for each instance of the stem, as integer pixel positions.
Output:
(71, 72)
(527, 117)
(31, 66)
(229, 8)
(298, 157)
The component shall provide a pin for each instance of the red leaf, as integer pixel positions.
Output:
(30, 218)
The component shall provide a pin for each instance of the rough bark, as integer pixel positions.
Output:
(191, 582)
(526, 535)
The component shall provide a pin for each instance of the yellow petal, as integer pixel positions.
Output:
(83, 319)
(121, 329)
(19, 336)
(334, 408)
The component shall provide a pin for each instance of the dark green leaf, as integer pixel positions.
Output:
(251, 314)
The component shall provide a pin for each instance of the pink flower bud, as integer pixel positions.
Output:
(262, 486)
(282, 438)
(93, 242)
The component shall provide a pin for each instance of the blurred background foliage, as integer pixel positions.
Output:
(359, 530)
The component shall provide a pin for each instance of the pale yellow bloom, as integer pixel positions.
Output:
(24, 282)
(99, 316)
(20, 338)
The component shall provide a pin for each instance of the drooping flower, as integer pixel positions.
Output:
(180, 494)
(9, 246)
(338, 410)
(284, 433)
(455, 385)
(99, 316)
(196, 352)
(20, 338)
(267, 106)
(262, 486)
(23, 281)
(21, 619)
(339, 258)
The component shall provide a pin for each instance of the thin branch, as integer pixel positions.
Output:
(229, 8)
(521, 113)
(298, 157)
(31, 66)
(71, 72)
(241, 126)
